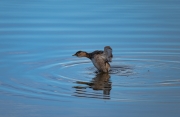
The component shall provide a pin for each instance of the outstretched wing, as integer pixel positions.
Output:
(108, 53)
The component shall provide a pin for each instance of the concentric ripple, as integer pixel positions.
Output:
(66, 78)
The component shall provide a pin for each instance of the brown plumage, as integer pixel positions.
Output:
(100, 59)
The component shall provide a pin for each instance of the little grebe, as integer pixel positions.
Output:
(100, 59)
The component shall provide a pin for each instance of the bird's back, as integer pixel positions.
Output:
(95, 53)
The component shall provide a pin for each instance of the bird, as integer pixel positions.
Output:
(100, 59)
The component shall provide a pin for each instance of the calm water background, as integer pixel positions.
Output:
(40, 77)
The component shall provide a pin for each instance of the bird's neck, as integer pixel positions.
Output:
(88, 55)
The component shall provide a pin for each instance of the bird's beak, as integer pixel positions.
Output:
(73, 55)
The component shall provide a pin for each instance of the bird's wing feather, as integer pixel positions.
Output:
(109, 54)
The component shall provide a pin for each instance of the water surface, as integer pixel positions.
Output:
(40, 77)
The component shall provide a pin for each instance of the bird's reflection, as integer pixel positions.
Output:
(100, 82)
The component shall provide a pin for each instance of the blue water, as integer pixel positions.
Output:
(40, 77)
